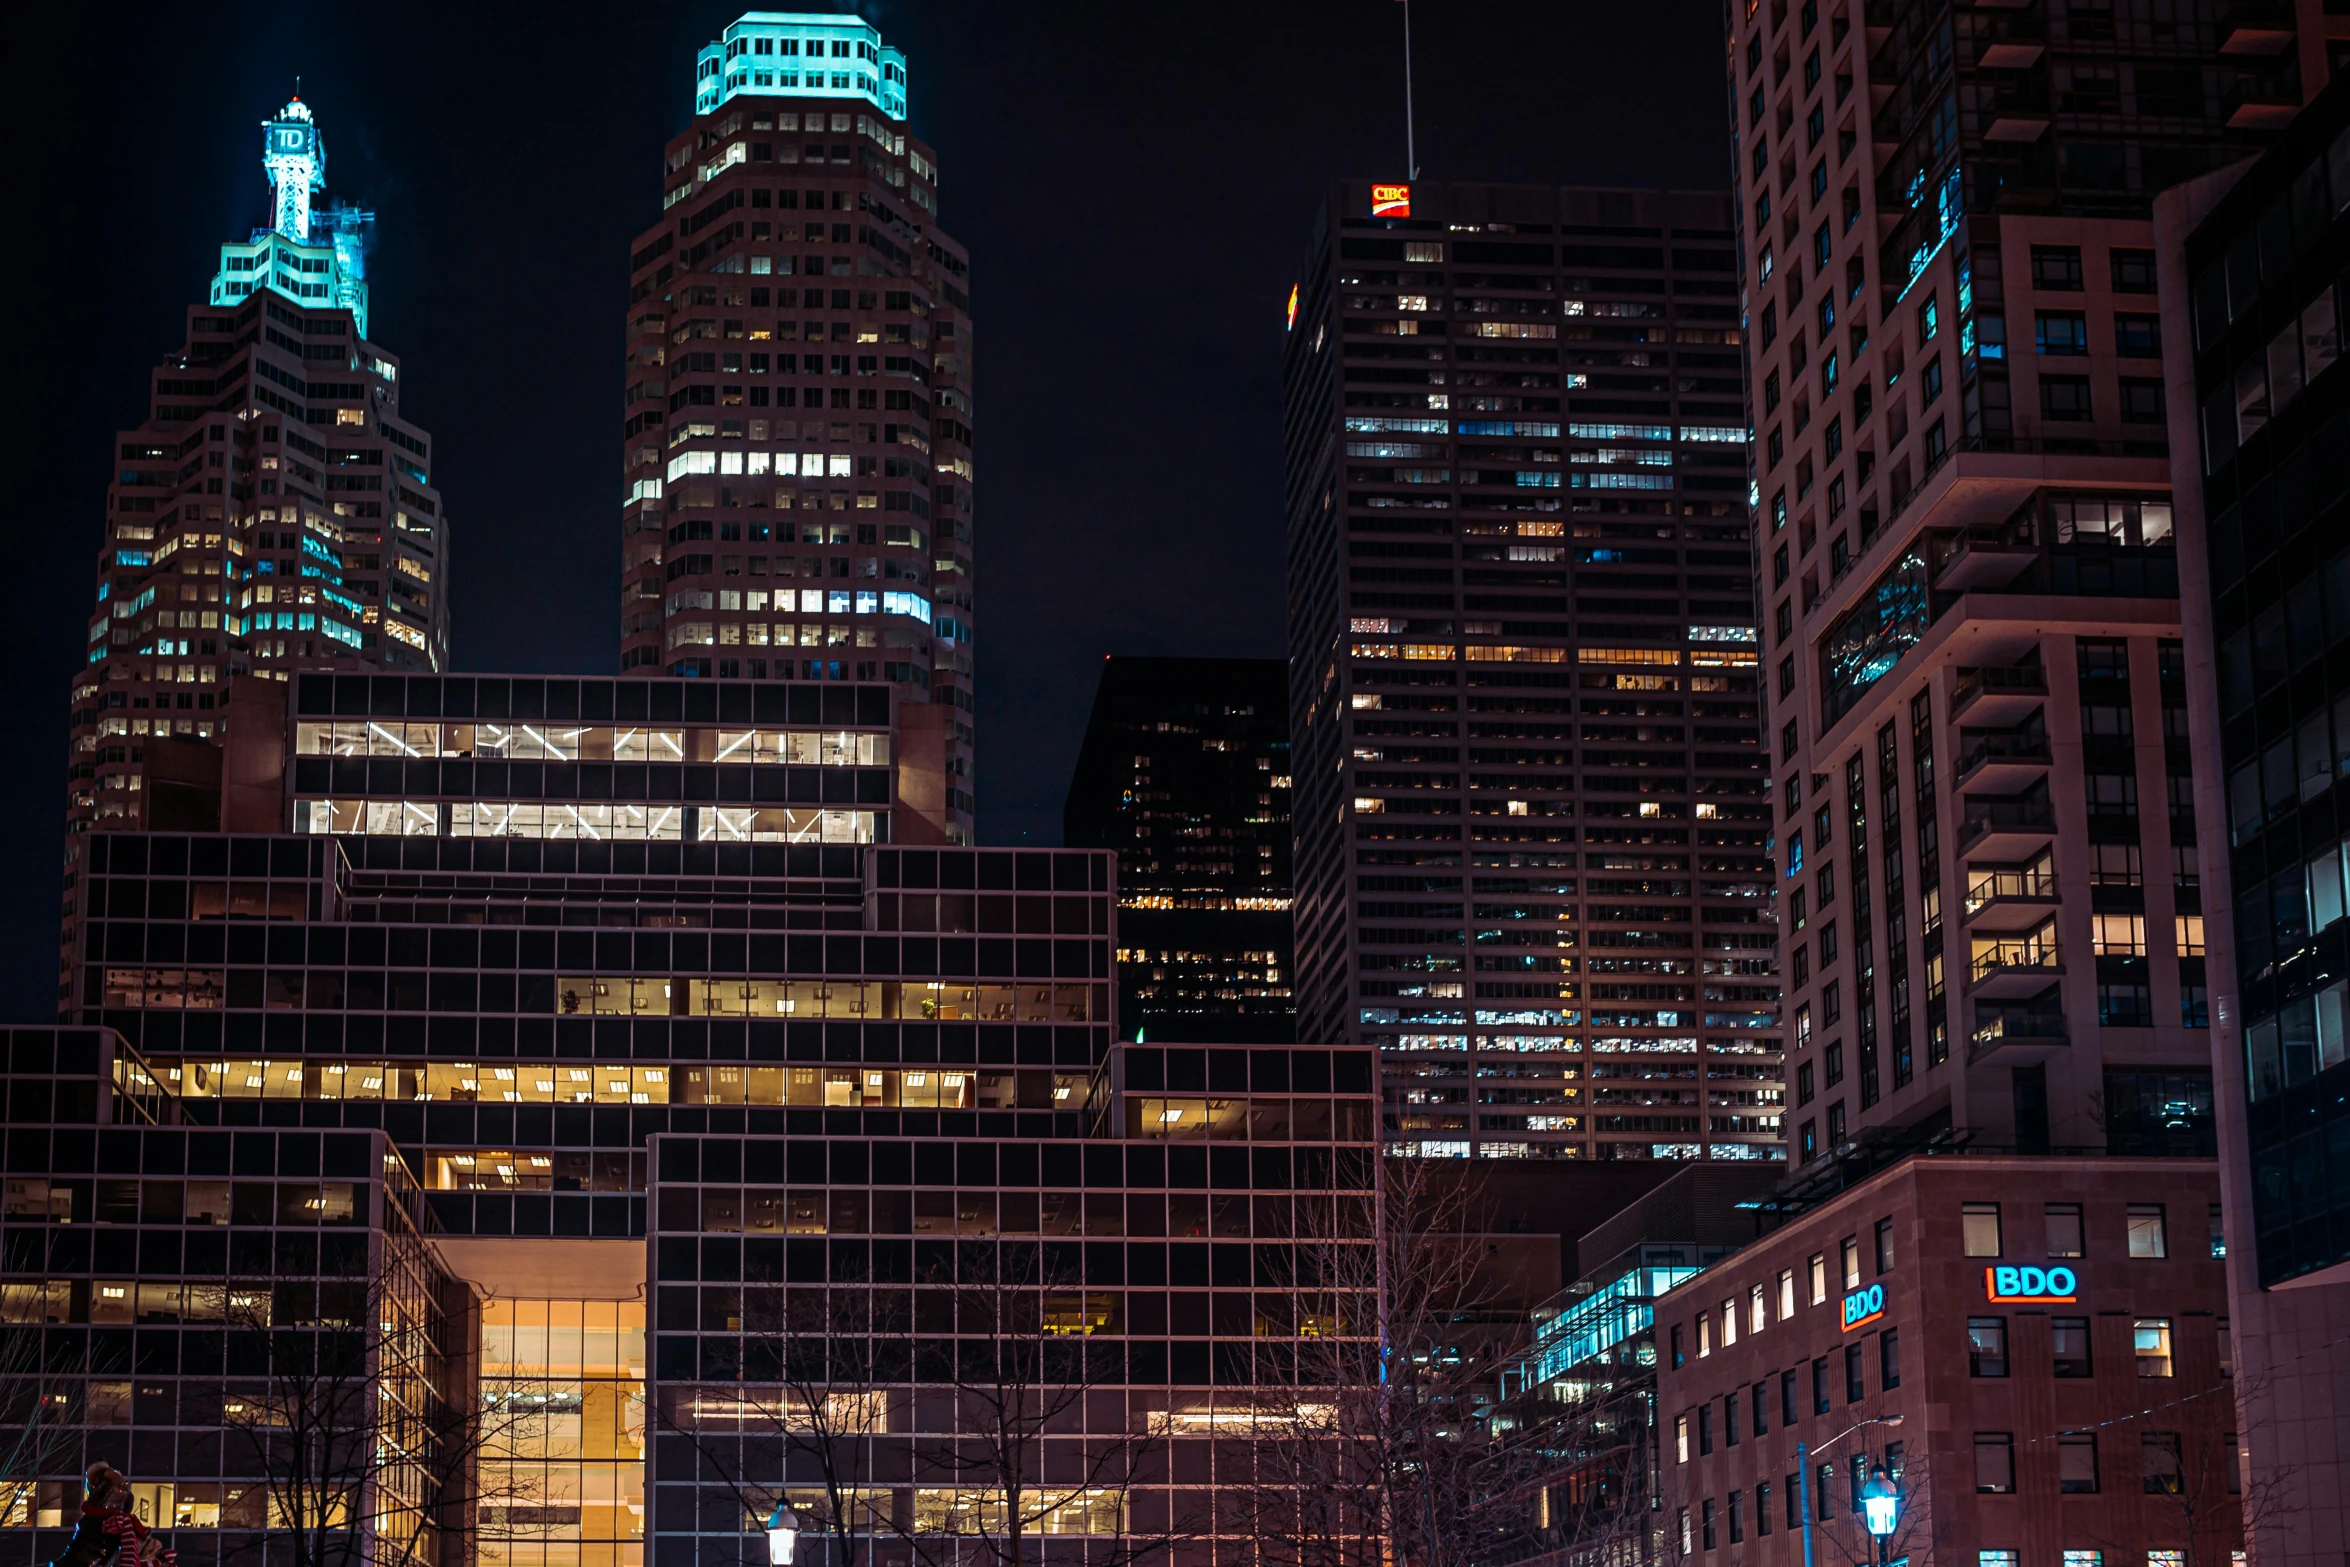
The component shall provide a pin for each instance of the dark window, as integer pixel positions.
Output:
(2137, 337)
(2063, 332)
(1889, 1360)
(1787, 1409)
(1986, 1346)
(2133, 270)
(2141, 401)
(1820, 1403)
(2160, 1451)
(1884, 1245)
(1705, 1427)
(2076, 1462)
(1706, 1512)
(2068, 1343)
(2159, 1113)
(1762, 1408)
(1995, 1462)
(2056, 267)
(2065, 398)
(1854, 1388)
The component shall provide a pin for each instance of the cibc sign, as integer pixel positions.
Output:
(2033, 1286)
(1863, 1307)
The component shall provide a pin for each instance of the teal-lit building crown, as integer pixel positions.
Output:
(801, 54)
(312, 258)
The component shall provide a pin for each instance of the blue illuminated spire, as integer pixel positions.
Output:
(295, 155)
(316, 259)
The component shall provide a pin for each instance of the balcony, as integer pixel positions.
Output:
(1983, 559)
(2015, 967)
(2010, 897)
(2002, 762)
(2005, 831)
(1997, 696)
(2254, 27)
(2018, 1037)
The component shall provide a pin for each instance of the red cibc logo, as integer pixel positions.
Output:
(2054, 1286)
(1391, 201)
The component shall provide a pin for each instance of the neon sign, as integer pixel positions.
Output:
(1391, 201)
(1864, 1306)
(2054, 1286)
(1292, 323)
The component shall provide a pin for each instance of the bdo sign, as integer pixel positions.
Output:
(1863, 1306)
(2056, 1286)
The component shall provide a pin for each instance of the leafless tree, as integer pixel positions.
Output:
(1572, 1478)
(1376, 1451)
(809, 1399)
(357, 1422)
(38, 1430)
(1043, 1439)
(2194, 1478)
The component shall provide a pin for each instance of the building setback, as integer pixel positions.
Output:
(797, 424)
(1985, 834)
(1184, 771)
(274, 512)
(1516, 445)
(2253, 264)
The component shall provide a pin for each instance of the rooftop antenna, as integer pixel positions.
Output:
(1411, 154)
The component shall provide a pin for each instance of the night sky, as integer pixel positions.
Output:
(1135, 184)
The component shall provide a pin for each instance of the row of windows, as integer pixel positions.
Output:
(126, 854)
(370, 1036)
(774, 1210)
(588, 701)
(1045, 927)
(2069, 1347)
(2164, 1468)
(1888, 1345)
(1981, 1234)
(720, 1261)
(2146, 1233)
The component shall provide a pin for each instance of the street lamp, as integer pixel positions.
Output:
(1880, 1502)
(783, 1534)
(1804, 1454)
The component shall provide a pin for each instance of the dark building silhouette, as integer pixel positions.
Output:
(2254, 299)
(1185, 773)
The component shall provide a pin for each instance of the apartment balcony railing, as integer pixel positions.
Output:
(2020, 1036)
(2015, 968)
(2003, 763)
(2011, 896)
(1998, 694)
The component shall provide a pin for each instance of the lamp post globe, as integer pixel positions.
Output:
(1880, 1502)
(783, 1535)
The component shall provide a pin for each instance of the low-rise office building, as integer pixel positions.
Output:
(2035, 1352)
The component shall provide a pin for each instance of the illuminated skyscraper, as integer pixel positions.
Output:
(273, 512)
(796, 437)
(1532, 787)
